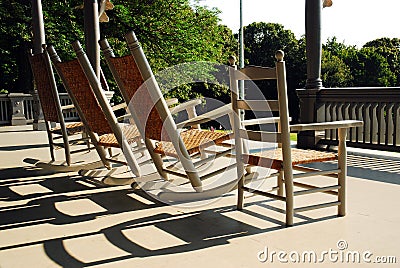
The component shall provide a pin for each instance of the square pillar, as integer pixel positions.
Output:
(311, 111)
(17, 104)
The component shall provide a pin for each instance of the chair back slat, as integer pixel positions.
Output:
(132, 81)
(78, 86)
(43, 77)
(262, 136)
(255, 73)
(258, 105)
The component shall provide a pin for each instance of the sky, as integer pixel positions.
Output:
(352, 22)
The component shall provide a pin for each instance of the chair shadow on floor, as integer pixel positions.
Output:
(160, 232)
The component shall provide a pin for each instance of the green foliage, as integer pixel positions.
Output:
(390, 50)
(261, 41)
(376, 64)
(370, 68)
(14, 39)
(334, 72)
(182, 31)
(171, 32)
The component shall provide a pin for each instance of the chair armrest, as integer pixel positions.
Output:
(184, 106)
(327, 125)
(119, 106)
(171, 101)
(124, 117)
(65, 108)
(211, 115)
(260, 121)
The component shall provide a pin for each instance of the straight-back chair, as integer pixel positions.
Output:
(53, 112)
(103, 131)
(282, 157)
(157, 127)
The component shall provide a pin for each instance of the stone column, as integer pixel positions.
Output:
(92, 33)
(38, 40)
(308, 96)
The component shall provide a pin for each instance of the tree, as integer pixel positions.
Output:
(390, 50)
(261, 41)
(171, 32)
(369, 68)
(334, 72)
(14, 43)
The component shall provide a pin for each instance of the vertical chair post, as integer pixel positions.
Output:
(285, 135)
(238, 141)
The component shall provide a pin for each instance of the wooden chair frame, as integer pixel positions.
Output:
(71, 133)
(285, 159)
(112, 130)
(175, 138)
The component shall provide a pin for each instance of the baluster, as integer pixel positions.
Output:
(396, 136)
(353, 116)
(328, 118)
(2, 111)
(367, 123)
(389, 124)
(27, 113)
(346, 116)
(374, 123)
(334, 113)
(359, 114)
(381, 128)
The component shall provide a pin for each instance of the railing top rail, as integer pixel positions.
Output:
(358, 94)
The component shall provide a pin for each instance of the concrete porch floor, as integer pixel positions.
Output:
(64, 220)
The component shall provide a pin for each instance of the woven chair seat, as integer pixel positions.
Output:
(109, 140)
(72, 128)
(194, 140)
(273, 158)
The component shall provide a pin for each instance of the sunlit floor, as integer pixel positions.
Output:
(66, 220)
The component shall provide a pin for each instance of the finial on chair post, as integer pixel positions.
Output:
(279, 55)
(53, 54)
(105, 47)
(232, 60)
(77, 48)
(132, 40)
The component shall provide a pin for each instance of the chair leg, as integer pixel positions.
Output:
(157, 160)
(280, 183)
(240, 200)
(86, 137)
(288, 177)
(140, 145)
(51, 141)
(342, 164)
(67, 152)
(241, 175)
(51, 147)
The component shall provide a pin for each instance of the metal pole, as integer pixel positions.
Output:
(92, 33)
(241, 57)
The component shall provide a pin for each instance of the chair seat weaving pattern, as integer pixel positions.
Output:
(72, 128)
(194, 140)
(274, 159)
(109, 140)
